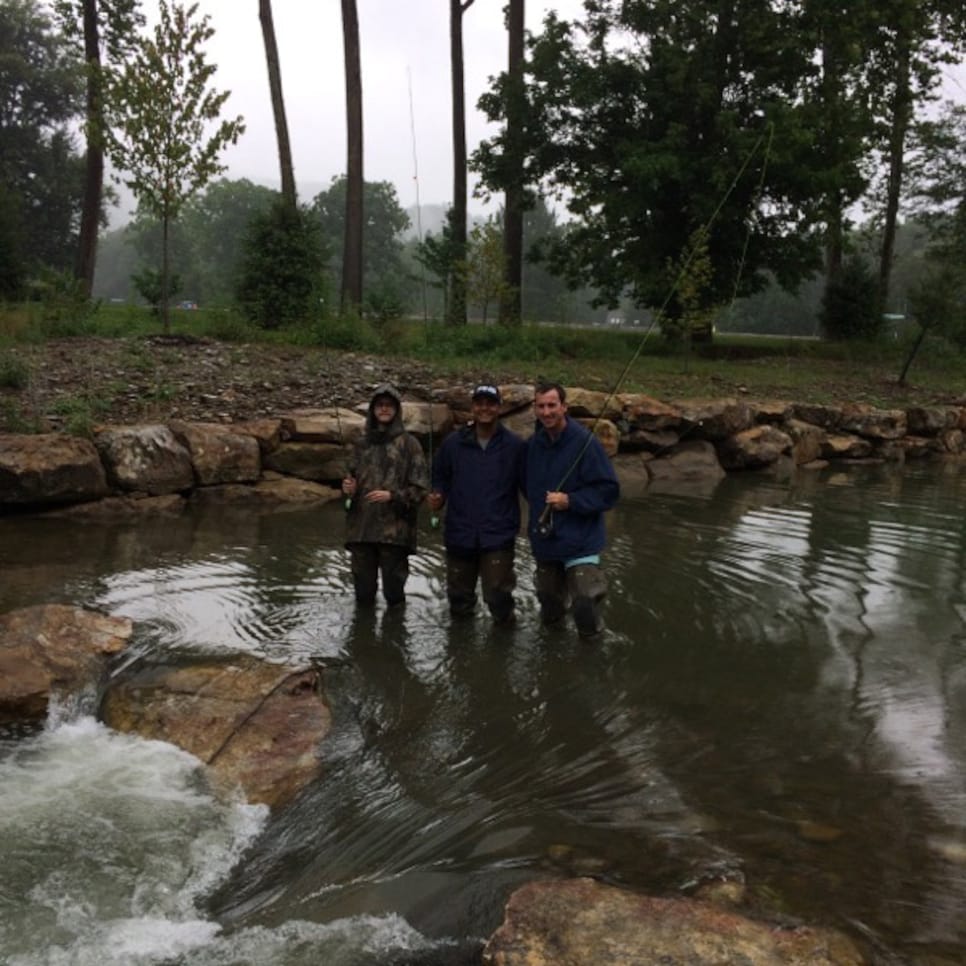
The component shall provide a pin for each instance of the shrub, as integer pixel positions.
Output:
(850, 306)
(281, 276)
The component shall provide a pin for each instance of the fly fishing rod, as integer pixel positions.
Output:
(545, 520)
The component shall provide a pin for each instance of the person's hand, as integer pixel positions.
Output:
(435, 500)
(557, 500)
(349, 486)
(378, 496)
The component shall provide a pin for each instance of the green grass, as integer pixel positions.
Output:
(635, 360)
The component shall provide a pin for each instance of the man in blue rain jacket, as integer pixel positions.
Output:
(476, 475)
(569, 483)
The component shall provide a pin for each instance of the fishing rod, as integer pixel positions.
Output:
(545, 520)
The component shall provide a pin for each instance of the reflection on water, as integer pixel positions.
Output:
(780, 695)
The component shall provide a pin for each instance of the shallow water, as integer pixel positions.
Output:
(780, 695)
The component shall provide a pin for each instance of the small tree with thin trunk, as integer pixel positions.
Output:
(160, 113)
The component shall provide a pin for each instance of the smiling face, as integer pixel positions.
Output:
(551, 412)
(485, 409)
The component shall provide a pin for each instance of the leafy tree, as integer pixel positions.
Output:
(107, 27)
(384, 223)
(13, 271)
(436, 253)
(40, 85)
(160, 109)
(213, 224)
(937, 182)
(282, 267)
(917, 39)
(652, 120)
(485, 271)
(278, 102)
(456, 286)
(850, 308)
(352, 249)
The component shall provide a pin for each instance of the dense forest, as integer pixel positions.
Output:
(730, 165)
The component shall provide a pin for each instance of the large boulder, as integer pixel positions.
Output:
(311, 461)
(256, 725)
(589, 402)
(146, 459)
(754, 448)
(219, 454)
(642, 412)
(49, 469)
(870, 423)
(581, 922)
(425, 419)
(690, 461)
(335, 425)
(716, 419)
(53, 649)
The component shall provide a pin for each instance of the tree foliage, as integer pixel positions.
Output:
(161, 109)
(652, 121)
(106, 30)
(40, 170)
(281, 276)
(384, 222)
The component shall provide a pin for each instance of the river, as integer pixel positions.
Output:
(779, 697)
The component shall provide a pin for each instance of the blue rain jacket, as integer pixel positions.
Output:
(591, 486)
(482, 489)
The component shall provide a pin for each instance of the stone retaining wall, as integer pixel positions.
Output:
(299, 457)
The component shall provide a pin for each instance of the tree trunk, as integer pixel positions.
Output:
(456, 309)
(510, 298)
(834, 212)
(165, 274)
(278, 103)
(352, 253)
(901, 116)
(94, 161)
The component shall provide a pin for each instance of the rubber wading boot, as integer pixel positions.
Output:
(585, 617)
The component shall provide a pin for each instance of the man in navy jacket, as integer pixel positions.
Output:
(569, 484)
(476, 475)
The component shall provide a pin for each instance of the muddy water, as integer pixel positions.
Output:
(780, 696)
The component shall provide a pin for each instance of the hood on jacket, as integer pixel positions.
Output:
(374, 430)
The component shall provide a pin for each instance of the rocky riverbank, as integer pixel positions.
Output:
(300, 455)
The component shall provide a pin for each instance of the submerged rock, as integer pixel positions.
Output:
(51, 649)
(256, 725)
(580, 922)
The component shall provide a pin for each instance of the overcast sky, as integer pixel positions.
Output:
(405, 46)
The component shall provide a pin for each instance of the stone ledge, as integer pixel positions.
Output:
(130, 468)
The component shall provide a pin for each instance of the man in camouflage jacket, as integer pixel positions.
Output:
(386, 482)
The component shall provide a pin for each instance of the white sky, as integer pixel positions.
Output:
(403, 43)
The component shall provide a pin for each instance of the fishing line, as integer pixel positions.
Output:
(545, 520)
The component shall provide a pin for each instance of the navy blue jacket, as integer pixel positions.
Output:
(591, 486)
(482, 489)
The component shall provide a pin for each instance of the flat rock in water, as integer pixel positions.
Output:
(53, 648)
(256, 725)
(580, 922)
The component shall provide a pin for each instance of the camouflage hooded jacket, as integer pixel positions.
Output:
(387, 459)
